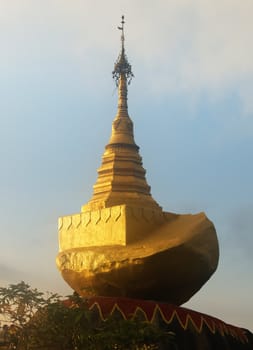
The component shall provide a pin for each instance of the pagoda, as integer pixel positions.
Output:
(122, 243)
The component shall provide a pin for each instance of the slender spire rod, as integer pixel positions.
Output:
(122, 35)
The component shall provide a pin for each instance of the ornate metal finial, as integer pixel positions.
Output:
(122, 67)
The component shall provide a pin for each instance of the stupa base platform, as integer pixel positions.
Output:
(193, 330)
(169, 265)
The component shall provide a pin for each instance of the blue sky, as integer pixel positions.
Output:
(191, 103)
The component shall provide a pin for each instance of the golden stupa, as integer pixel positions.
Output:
(123, 243)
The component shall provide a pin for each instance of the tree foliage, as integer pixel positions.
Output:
(44, 322)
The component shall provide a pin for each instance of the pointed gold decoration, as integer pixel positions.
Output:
(121, 177)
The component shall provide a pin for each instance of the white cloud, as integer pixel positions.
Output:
(183, 45)
(197, 45)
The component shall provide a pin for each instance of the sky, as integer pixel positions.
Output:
(192, 108)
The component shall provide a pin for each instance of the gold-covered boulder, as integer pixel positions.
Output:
(170, 264)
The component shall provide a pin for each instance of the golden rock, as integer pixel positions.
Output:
(122, 243)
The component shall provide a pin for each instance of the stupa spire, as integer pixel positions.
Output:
(121, 177)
